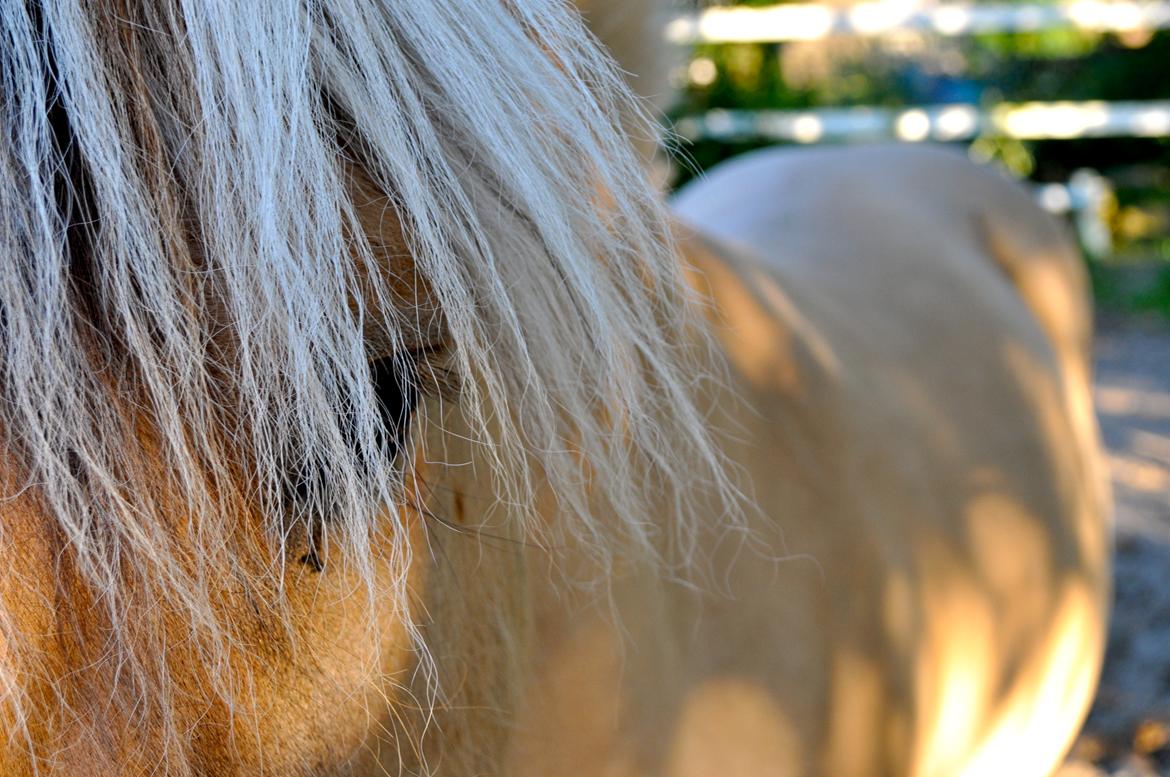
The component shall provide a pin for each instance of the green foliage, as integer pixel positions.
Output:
(1132, 286)
(1054, 44)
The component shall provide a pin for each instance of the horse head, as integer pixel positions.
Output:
(274, 272)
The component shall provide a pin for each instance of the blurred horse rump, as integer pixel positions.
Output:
(366, 411)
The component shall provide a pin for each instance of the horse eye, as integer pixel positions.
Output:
(396, 395)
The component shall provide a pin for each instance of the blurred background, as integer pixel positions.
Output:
(1074, 99)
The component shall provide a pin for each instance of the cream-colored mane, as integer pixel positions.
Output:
(214, 216)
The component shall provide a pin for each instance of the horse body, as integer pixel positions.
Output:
(221, 565)
(925, 592)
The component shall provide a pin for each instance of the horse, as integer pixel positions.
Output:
(367, 411)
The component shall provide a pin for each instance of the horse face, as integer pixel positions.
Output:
(301, 688)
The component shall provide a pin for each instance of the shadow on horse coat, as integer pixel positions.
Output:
(853, 524)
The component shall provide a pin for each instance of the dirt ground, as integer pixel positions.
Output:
(1128, 731)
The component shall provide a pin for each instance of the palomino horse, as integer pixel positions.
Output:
(365, 413)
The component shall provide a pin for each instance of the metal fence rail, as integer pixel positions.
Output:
(797, 22)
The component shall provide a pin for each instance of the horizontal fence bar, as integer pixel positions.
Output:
(1025, 121)
(799, 21)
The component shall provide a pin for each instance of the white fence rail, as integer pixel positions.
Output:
(1024, 121)
(797, 22)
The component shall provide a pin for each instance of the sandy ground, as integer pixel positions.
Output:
(1128, 731)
